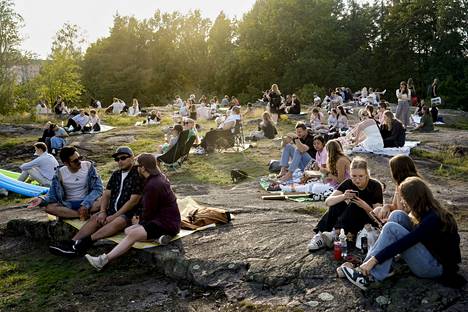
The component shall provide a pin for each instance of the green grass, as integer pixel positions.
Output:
(450, 165)
(11, 142)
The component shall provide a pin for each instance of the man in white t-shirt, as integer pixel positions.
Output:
(40, 169)
(74, 190)
(117, 106)
(117, 207)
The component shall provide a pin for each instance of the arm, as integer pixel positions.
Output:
(29, 165)
(95, 188)
(335, 198)
(129, 205)
(426, 229)
(341, 166)
(301, 147)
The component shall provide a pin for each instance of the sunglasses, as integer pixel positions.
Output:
(121, 158)
(76, 160)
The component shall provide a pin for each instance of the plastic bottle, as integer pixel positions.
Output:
(364, 243)
(336, 247)
(343, 244)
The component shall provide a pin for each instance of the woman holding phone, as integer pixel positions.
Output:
(349, 205)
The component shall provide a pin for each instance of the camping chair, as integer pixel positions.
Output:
(175, 152)
(239, 139)
(187, 148)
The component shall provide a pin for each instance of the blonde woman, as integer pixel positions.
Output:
(266, 128)
(349, 205)
(273, 97)
(135, 109)
(392, 131)
(366, 134)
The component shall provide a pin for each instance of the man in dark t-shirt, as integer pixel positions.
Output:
(117, 207)
(299, 149)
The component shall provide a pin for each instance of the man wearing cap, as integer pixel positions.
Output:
(160, 218)
(117, 206)
(75, 187)
(40, 169)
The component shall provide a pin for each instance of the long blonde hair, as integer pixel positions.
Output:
(335, 152)
(274, 88)
(420, 200)
(267, 117)
(390, 116)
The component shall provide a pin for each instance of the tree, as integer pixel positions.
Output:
(10, 23)
(60, 74)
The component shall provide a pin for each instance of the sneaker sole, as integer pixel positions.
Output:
(62, 252)
(164, 240)
(350, 278)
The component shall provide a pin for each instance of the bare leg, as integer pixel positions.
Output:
(96, 206)
(61, 211)
(89, 228)
(112, 228)
(134, 235)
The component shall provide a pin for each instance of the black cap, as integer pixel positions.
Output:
(123, 150)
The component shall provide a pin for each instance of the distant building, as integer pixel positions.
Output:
(26, 72)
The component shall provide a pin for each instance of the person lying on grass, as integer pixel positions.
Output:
(160, 218)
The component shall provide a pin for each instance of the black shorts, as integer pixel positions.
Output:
(153, 231)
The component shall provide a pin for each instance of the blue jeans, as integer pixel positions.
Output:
(57, 143)
(299, 160)
(419, 259)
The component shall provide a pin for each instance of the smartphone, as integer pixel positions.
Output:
(356, 193)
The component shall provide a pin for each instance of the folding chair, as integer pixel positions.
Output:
(175, 152)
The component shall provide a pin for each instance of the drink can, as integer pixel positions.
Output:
(337, 250)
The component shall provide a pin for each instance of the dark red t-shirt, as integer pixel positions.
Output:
(160, 204)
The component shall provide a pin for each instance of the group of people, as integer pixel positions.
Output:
(137, 198)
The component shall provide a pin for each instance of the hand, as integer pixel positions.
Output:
(101, 217)
(34, 202)
(383, 212)
(349, 194)
(360, 203)
(84, 213)
(367, 266)
(111, 218)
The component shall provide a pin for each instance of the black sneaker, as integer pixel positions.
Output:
(357, 278)
(82, 245)
(64, 248)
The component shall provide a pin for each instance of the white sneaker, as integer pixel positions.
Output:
(327, 238)
(97, 262)
(316, 242)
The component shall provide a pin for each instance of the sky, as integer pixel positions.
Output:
(43, 18)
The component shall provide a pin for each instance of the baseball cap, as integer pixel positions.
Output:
(123, 150)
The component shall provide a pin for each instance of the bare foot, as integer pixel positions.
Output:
(287, 176)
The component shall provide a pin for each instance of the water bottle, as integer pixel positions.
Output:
(343, 244)
(364, 245)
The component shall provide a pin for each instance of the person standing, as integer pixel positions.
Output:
(273, 96)
(160, 219)
(404, 96)
(40, 169)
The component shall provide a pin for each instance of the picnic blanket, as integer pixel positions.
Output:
(104, 128)
(388, 151)
(182, 203)
(265, 182)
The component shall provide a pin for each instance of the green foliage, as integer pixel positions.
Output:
(10, 23)
(306, 94)
(451, 165)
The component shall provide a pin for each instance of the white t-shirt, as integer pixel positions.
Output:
(124, 175)
(117, 107)
(81, 120)
(203, 112)
(75, 184)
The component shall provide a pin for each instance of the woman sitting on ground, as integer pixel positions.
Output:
(392, 131)
(333, 120)
(134, 110)
(380, 112)
(94, 120)
(366, 134)
(172, 140)
(429, 242)
(316, 120)
(426, 124)
(266, 128)
(401, 167)
(342, 121)
(160, 218)
(349, 206)
(154, 118)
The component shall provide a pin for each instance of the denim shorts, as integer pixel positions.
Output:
(74, 204)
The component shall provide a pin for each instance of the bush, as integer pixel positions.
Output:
(306, 94)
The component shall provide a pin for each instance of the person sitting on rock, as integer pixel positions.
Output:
(428, 241)
(117, 206)
(40, 169)
(426, 124)
(266, 128)
(75, 188)
(392, 131)
(298, 148)
(349, 205)
(57, 142)
(160, 219)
